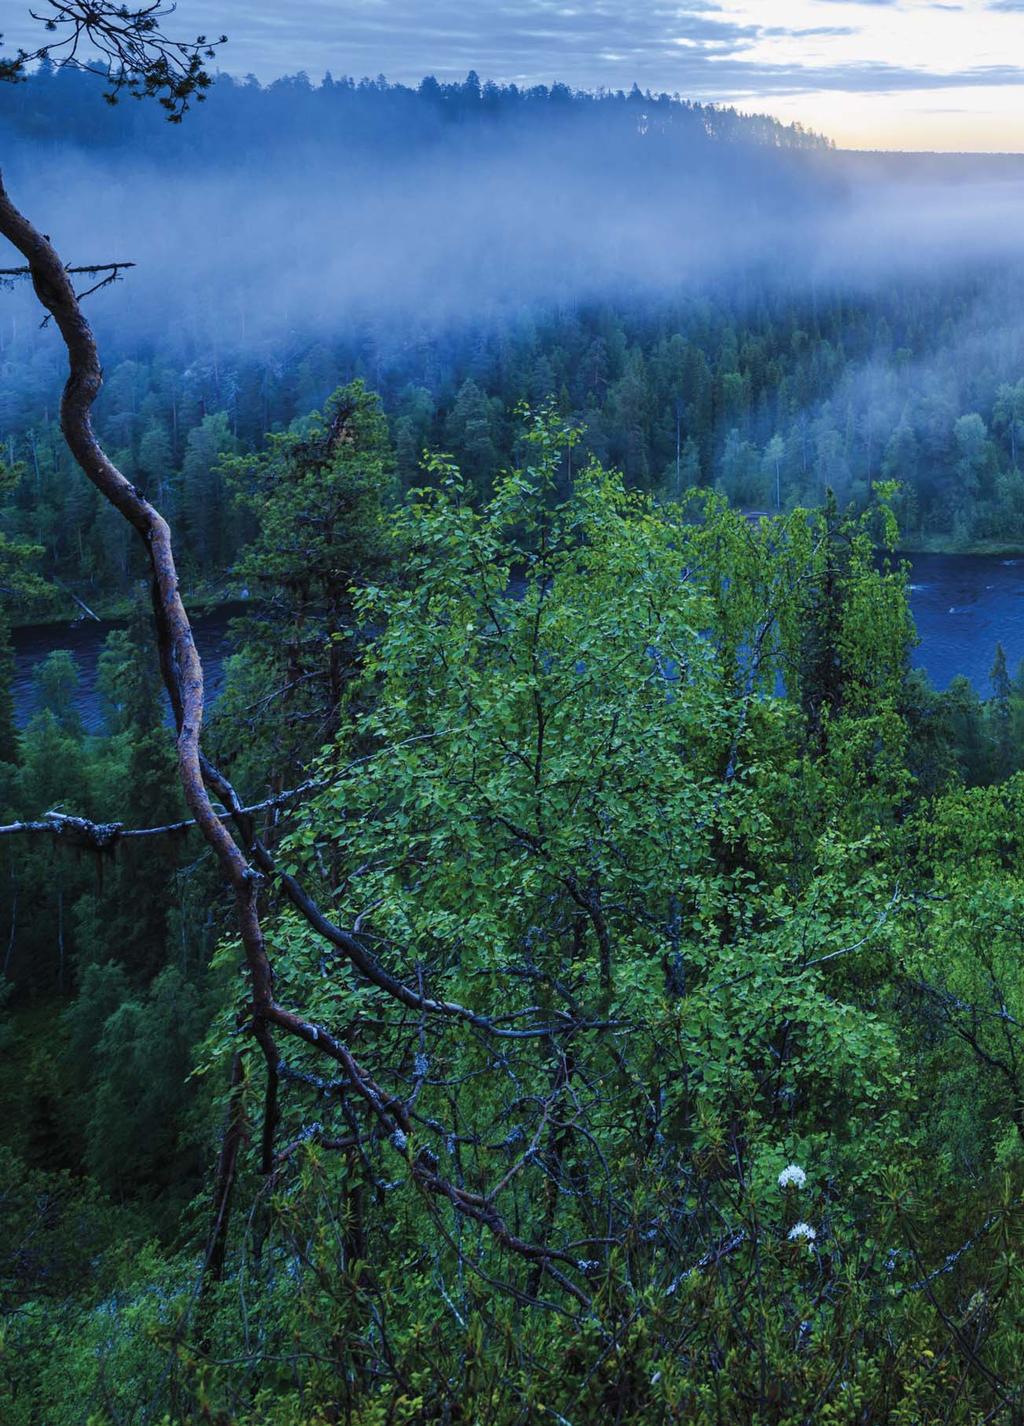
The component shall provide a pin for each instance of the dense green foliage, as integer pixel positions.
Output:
(316, 502)
(651, 769)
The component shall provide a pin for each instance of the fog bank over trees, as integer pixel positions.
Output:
(297, 208)
(716, 299)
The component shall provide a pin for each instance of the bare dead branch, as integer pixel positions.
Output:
(104, 836)
(180, 663)
(89, 269)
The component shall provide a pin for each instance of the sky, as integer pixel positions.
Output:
(894, 74)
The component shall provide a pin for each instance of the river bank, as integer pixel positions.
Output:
(68, 608)
(995, 549)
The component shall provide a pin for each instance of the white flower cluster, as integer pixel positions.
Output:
(792, 1176)
(802, 1233)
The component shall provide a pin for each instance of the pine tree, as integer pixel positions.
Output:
(318, 497)
(8, 729)
(1001, 716)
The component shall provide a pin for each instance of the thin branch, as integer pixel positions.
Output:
(126, 48)
(89, 613)
(103, 836)
(950, 1261)
(88, 269)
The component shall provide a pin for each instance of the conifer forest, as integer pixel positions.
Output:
(507, 915)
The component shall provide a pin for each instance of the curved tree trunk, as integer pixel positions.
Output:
(181, 666)
(179, 660)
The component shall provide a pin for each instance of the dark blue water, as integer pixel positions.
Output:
(84, 639)
(963, 606)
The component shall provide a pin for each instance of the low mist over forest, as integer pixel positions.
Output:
(558, 960)
(718, 299)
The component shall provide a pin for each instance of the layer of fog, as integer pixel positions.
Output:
(481, 228)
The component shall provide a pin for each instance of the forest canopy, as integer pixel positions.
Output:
(655, 965)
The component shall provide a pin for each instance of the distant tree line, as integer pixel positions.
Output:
(295, 110)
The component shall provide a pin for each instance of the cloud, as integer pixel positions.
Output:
(772, 31)
(868, 77)
(697, 47)
(500, 37)
(700, 48)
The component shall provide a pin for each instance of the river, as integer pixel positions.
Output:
(962, 605)
(84, 639)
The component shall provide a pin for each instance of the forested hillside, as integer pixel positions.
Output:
(751, 329)
(573, 971)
